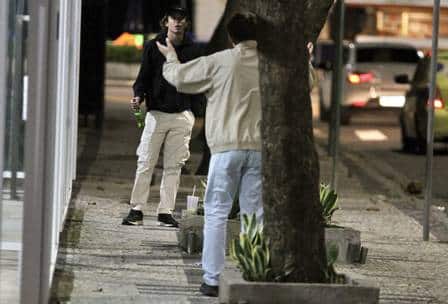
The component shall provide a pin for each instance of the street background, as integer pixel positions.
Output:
(101, 261)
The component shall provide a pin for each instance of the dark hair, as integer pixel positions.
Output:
(242, 26)
(176, 12)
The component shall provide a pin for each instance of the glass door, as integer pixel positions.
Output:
(13, 104)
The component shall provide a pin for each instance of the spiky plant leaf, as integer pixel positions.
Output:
(328, 200)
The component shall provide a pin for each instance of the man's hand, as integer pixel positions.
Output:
(165, 49)
(135, 103)
(310, 47)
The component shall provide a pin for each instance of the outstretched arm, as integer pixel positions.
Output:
(192, 77)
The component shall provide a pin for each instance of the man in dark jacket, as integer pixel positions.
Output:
(169, 120)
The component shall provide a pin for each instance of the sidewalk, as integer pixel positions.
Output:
(101, 261)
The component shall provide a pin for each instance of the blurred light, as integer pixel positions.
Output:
(392, 101)
(127, 39)
(359, 103)
(139, 40)
(438, 104)
(354, 78)
(357, 78)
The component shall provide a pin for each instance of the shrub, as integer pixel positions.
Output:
(124, 54)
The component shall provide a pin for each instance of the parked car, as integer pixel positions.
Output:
(414, 114)
(368, 71)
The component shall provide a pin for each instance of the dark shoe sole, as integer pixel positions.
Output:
(132, 223)
(168, 225)
(209, 292)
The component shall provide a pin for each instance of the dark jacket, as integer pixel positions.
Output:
(150, 82)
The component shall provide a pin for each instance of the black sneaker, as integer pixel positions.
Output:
(209, 291)
(134, 218)
(167, 220)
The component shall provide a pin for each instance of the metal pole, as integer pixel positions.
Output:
(337, 94)
(430, 127)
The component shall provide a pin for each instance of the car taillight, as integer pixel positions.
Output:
(438, 101)
(357, 77)
(359, 103)
(438, 104)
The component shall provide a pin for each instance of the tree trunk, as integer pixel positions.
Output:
(293, 219)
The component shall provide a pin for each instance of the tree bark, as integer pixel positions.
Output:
(315, 16)
(293, 218)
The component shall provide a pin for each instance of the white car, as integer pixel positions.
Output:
(368, 71)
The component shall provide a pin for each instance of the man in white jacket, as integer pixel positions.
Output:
(230, 81)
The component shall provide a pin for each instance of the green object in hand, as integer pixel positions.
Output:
(139, 117)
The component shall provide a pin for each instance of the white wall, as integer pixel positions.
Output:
(207, 14)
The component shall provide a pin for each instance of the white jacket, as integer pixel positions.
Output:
(230, 81)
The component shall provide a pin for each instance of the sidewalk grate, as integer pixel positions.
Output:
(167, 289)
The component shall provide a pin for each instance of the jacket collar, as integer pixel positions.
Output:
(162, 36)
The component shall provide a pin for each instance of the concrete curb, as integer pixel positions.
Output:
(234, 289)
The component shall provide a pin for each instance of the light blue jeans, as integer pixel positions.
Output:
(228, 172)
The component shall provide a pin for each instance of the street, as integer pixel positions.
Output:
(376, 138)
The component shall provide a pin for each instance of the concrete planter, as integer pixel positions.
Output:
(233, 289)
(348, 241)
(122, 71)
(190, 235)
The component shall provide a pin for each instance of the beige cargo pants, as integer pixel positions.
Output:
(174, 131)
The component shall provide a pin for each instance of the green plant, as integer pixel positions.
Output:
(125, 54)
(251, 251)
(329, 202)
(252, 254)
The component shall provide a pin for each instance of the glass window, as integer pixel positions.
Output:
(386, 54)
(325, 52)
(11, 200)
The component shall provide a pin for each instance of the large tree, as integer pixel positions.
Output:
(293, 220)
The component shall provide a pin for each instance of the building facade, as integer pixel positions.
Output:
(410, 20)
(39, 58)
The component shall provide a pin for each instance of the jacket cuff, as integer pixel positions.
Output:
(139, 94)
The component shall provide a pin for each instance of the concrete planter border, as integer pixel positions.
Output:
(348, 240)
(191, 237)
(233, 289)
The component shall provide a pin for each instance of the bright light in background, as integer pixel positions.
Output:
(438, 104)
(392, 101)
(139, 40)
(127, 39)
(370, 135)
